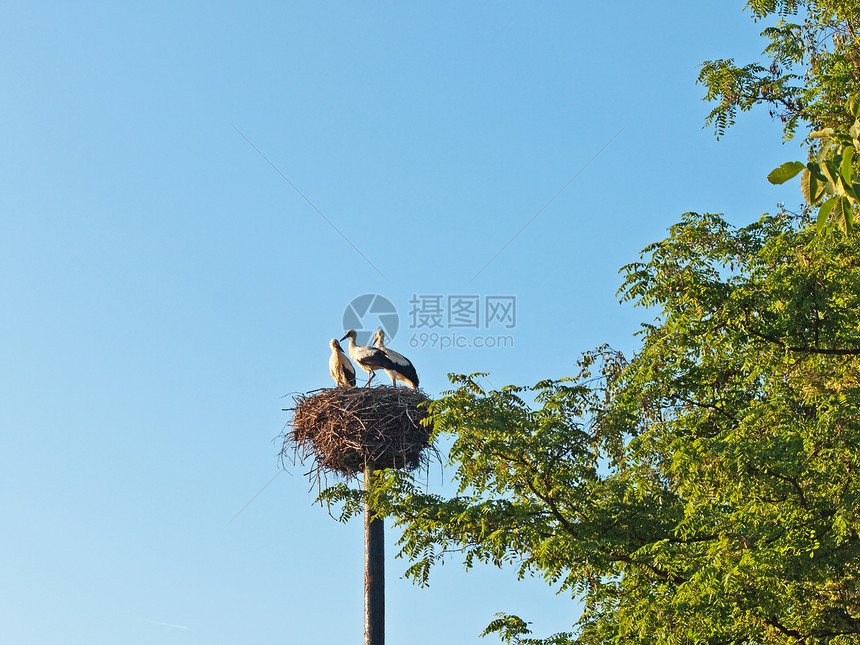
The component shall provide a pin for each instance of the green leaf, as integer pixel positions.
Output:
(847, 190)
(847, 169)
(853, 105)
(854, 131)
(823, 150)
(842, 214)
(823, 212)
(785, 172)
(811, 187)
(828, 168)
(822, 134)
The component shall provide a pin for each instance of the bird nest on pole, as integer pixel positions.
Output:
(342, 429)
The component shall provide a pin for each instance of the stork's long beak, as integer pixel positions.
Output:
(345, 337)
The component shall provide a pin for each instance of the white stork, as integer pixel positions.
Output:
(369, 359)
(403, 370)
(339, 367)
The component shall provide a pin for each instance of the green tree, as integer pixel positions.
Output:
(704, 492)
(813, 67)
(828, 182)
(812, 74)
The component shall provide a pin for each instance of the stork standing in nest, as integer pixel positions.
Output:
(369, 359)
(339, 367)
(403, 370)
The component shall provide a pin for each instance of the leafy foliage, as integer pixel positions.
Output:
(707, 490)
(814, 66)
(828, 182)
(814, 73)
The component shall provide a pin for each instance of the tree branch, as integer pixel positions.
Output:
(803, 350)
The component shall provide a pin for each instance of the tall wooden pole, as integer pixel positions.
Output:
(374, 572)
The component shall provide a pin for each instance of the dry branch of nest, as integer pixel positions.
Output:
(343, 428)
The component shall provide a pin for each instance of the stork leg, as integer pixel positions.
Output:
(393, 381)
(370, 378)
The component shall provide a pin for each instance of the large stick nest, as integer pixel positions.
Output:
(344, 428)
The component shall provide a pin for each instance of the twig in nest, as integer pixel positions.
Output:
(341, 429)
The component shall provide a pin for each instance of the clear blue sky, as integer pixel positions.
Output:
(163, 285)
